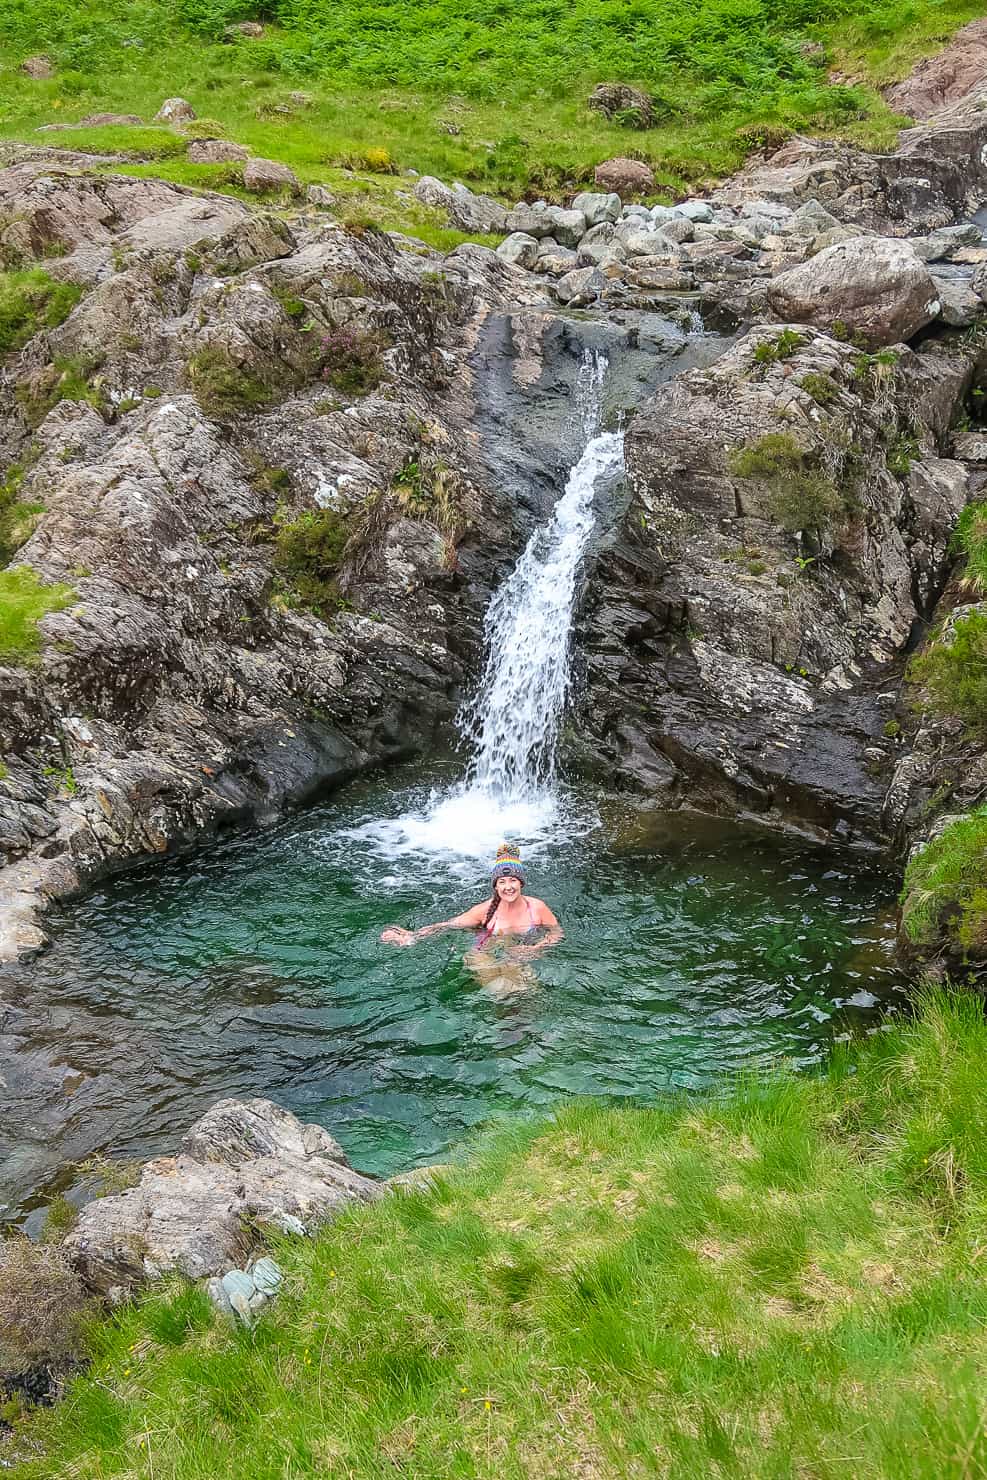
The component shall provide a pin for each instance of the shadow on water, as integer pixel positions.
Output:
(255, 969)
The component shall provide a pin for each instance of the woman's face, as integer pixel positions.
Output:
(508, 889)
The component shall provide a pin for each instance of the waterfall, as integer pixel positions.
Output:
(511, 724)
(513, 720)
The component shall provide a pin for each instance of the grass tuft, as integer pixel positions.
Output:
(944, 895)
(953, 673)
(799, 496)
(24, 600)
(30, 300)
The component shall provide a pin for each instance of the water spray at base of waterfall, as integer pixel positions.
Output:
(512, 722)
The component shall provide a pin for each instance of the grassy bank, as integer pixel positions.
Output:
(786, 1282)
(495, 94)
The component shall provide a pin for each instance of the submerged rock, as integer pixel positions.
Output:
(244, 1166)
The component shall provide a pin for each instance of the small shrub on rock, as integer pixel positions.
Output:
(41, 1304)
(221, 386)
(30, 301)
(944, 886)
(782, 347)
(800, 496)
(351, 359)
(953, 673)
(308, 552)
(821, 387)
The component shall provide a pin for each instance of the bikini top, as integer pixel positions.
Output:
(496, 928)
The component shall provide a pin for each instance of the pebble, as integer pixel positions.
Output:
(267, 1275)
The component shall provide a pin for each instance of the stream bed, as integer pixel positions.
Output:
(693, 949)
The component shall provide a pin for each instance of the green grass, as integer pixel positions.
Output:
(945, 888)
(953, 673)
(17, 518)
(970, 539)
(30, 300)
(494, 95)
(780, 1282)
(24, 600)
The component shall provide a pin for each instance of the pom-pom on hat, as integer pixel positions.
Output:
(507, 864)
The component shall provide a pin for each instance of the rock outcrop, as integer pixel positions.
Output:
(745, 619)
(246, 1166)
(186, 688)
(939, 82)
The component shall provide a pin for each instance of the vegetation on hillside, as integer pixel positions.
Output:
(782, 1281)
(24, 600)
(944, 896)
(495, 94)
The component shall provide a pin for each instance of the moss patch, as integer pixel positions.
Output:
(945, 889)
(24, 600)
(30, 301)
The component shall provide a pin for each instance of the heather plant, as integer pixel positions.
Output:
(351, 359)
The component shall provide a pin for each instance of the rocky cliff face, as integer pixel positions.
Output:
(238, 378)
(779, 547)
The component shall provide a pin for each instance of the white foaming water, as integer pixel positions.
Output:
(513, 720)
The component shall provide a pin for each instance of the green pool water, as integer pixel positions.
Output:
(692, 950)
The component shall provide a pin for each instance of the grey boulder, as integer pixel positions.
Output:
(579, 288)
(243, 1166)
(876, 286)
(597, 207)
(520, 249)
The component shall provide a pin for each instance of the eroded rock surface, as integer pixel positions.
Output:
(245, 1166)
(749, 668)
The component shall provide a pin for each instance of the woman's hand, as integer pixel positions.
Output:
(396, 935)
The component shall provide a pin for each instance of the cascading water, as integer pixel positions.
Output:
(514, 719)
(512, 722)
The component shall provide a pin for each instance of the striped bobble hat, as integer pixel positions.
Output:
(507, 864)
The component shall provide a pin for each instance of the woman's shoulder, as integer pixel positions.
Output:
(539, 904)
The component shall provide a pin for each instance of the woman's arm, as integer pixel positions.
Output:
(469, 920)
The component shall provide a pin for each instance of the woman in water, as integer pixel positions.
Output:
(509, 913)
